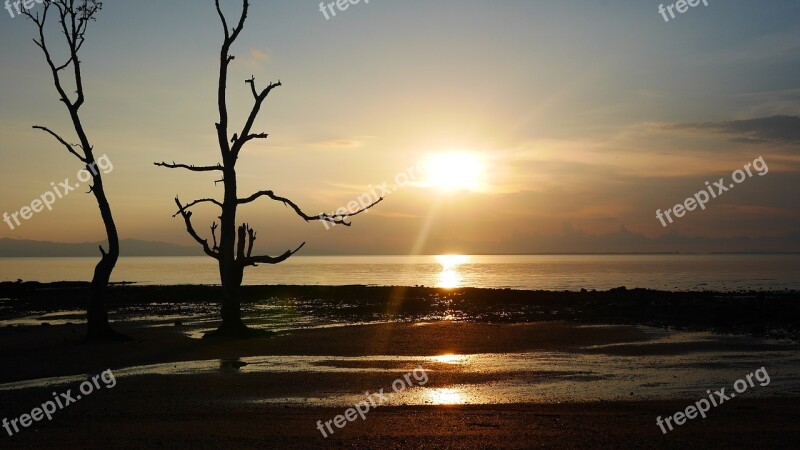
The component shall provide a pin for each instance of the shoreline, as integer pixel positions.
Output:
(771, 314)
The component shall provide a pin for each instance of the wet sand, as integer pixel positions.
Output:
(505, 369)
(146, 423)
(227, 401)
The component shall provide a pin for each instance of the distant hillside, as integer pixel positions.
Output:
(10, 248)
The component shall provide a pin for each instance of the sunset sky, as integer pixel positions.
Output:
(568, 123)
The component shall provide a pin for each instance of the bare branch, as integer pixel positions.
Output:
(241, 242)
(195, 202)
(255, 260)
(41, 43)
(74, 20)
(222, 18)
(240, 25)
(245, 136)
(338, 219)
(214, 235)
(246, 237)
(250, 137)
(173, 165)
(70, 147)
(224, 59)
(187, 217)
(251, 233)
(252, 83)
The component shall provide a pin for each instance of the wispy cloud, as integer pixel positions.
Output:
(253, 59)
(774, 129)
(342, 143)
(259, 54)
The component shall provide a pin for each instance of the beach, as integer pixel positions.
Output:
(467, 225)
(514, 383)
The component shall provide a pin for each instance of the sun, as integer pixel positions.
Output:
(453, 171)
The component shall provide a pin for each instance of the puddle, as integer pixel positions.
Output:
(560, 377)
(54, 318)
(198, 333)
(531, 377)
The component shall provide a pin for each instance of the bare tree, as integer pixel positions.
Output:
(73, 18)
(234, 250)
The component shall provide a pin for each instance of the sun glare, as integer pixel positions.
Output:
(453, 171)
(449, 358)
(447, 396)
(450, 277)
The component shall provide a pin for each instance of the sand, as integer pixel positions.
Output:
(220, 408)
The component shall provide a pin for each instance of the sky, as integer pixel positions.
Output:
(529, 126)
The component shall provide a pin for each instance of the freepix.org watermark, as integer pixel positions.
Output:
(19, 6)
(713, 191)
(58, 191)
(59, 402)
(361, 408)
(681, 6)
(372, 195)
(716, 398)
(329, 9)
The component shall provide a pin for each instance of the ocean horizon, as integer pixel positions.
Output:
(672, 272)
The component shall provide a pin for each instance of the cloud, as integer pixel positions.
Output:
(774, 129)
(254, 59)
(259, 55)
(770, 103)
(339, 144)
(342, 143)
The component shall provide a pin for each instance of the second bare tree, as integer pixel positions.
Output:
(234, 250)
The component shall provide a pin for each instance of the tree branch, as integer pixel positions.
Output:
(250, 137)
(252, 83)
(68, 146)
(173, 165)
(214, 235)
(224, 59)
(255, 260)
(222, 18)
(187, 217)
(74, 20)
(40, 21)
(241, 242)
(240, 25)
(251, 233)
(245, 136)
(337, 219)
(195, 202)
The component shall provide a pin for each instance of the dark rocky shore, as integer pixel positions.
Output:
(774, 314)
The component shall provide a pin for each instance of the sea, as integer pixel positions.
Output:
(674, 272)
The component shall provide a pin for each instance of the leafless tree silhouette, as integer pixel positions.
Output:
(234, 250)
(73, 18)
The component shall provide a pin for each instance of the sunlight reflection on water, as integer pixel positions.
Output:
(548, 272)
(494, 378)
(450, 277)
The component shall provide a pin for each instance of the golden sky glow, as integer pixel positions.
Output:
(561, 126)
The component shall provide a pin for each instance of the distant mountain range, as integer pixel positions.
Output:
(10, 248)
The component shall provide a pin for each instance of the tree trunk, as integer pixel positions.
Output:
(230, 271)
(98, 327)
(232, 324)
